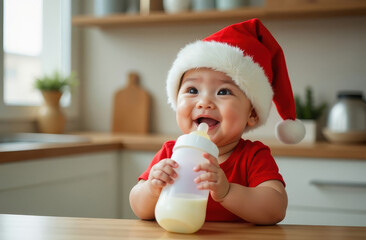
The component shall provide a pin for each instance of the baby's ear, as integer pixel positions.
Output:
(253, 118)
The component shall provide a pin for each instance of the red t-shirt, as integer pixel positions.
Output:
(250, 164)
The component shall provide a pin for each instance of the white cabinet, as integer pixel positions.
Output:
(77, 185)
(325, 192)
(320, 191)
(132, 165)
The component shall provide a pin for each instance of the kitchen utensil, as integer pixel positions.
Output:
(346, 121)
(131, 112)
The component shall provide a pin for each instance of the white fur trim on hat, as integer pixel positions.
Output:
(290, 131)
(248, 75)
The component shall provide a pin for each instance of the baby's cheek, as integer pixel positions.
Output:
(236, 122)
(183, 116)
(181, 103)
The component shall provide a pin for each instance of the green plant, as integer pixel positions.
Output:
(308, 110)
(55, 82)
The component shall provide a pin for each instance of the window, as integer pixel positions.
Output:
(36, 41)
(22, 50)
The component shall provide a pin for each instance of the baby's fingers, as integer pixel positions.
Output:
(169, 162)
(211, 159)
(168, 168)
(212, 165)
(163, 173)
(208, 167)
(208, 176)
(157, 183)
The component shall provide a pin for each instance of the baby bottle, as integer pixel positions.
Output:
(181, 206)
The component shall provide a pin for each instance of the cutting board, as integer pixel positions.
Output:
(131, 112)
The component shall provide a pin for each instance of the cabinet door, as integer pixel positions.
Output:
(77, 186)
(325, 192)
(132, 165)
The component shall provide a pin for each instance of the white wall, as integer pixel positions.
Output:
(327, 54)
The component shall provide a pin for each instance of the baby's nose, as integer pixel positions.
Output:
(205, 103)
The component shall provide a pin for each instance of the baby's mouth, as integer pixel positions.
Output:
(209, 121)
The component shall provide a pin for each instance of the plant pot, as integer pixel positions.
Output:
(51, 119)
(311, 128)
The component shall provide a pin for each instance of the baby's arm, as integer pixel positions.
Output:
(145, 194)
(263, 204)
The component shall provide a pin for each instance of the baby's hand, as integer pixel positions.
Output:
(213, 179)
(162, 173)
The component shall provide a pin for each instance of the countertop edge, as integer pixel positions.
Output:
(100, 142)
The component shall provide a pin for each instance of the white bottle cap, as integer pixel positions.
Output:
(198, 140)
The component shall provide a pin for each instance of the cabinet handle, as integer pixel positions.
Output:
(338, 184)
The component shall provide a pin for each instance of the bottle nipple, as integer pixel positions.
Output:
(202, 131)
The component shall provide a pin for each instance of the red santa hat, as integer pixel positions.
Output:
(248, 53)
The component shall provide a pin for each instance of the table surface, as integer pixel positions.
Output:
(40, 227)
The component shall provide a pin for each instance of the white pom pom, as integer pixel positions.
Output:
(290, 131)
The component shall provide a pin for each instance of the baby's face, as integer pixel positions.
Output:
(212, 97)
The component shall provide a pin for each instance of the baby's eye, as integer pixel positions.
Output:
(192, 90)
(224, 91)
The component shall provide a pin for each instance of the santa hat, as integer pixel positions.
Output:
(249, 54)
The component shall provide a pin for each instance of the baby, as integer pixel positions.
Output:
(228, 80)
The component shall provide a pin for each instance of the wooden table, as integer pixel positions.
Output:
(52, 228)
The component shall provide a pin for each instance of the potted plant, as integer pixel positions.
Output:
(51, 119)
(309, 113)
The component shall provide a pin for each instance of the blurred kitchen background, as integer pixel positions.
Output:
(324, 51)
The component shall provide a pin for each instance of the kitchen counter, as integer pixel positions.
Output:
(108, 142)
(40, 227)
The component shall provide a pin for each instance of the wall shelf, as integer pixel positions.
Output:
(160, 18)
